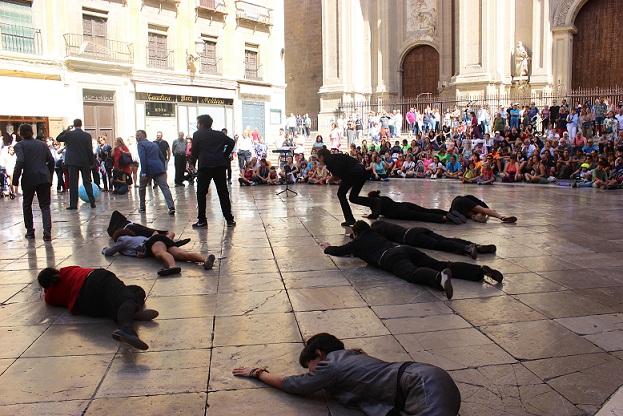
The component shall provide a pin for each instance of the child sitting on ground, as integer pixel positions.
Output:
(471, 174)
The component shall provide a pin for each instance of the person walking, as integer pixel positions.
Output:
(152, 167)
(37, 169)
(352, 175)
(211, 149)
(179, 154)
(79, 159)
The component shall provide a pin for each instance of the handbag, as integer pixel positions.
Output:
(125, 159)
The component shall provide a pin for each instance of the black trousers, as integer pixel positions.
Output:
(410, 264)
(180, 169)
(74, 171)
(108, 179)
(96, 176)
(103, 295)
(354, 181)
(420, 237)
(204, 177)
(43, 192)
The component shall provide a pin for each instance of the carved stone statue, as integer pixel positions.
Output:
(422, 18)
(522, 60)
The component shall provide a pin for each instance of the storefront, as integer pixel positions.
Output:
(171, 114)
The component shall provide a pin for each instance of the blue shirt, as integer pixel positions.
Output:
(453, 168)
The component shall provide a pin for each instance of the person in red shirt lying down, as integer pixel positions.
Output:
(98, 293)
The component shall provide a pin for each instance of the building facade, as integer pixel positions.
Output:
(389, 50)
(123, 65)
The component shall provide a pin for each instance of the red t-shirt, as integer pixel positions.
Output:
(66, 291)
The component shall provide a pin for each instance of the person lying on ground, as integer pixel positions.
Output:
(468, 206)
(100, 294)
(425, 238)
(355, 379)
(159, 246)
(387, 207)
(118, 221)
(408, 263)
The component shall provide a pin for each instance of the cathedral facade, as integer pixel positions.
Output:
(392, 50)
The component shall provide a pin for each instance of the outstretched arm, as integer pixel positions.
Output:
(261, 374)
(344, 250)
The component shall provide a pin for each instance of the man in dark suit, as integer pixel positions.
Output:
(79, 159)
(37, 169)
(353, 177)
(211, 149)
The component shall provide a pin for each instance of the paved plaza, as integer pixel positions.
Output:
(547, 341)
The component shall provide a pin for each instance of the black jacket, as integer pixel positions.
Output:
(368, 246)
(343, 166)
(35, 162)
(395, 232)
(211, 148)
(79, 146)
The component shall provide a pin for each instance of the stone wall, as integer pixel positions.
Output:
(303, 55)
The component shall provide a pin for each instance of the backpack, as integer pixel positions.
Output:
(125, 159)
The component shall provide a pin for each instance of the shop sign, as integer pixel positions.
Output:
(183, 99)
(155, 109)
(98, 96)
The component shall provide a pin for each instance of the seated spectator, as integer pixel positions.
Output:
(471, 174)
(600, 175)
(615, 179)
(273, 177)
(379, 169)
(408, 168)
(486, 176)
(247, 175)
(536, 171)
(435, 169)
(288, 171)
(453, 170)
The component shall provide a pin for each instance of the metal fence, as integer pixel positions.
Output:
(160, 59)
(98, 48)
(364, 110)
(20, 39)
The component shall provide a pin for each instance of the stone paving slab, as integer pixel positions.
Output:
(547, 341)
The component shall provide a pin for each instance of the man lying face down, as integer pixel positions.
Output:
(408, 263)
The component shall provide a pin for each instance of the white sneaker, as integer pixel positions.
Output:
(445, 279)
(433, 176)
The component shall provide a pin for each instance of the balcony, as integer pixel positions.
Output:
(161, 59)
(212, 6)
(99, 49)
(253, 73)
(253, 14)
(210, 65)
(20, 39)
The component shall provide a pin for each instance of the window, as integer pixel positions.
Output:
(251, 64)
(94, 29)
(157, 53)
(16, 29)
(208, 57)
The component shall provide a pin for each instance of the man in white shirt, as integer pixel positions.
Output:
(397, 118)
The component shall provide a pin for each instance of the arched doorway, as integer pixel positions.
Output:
(420, 71)
(596, 57)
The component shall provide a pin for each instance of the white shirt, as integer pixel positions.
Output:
(619, 117)
(245, 144)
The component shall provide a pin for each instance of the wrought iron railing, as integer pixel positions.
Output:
(160, 59)
(254, 74)
(210, 64)
(253, 12)
(20, 39)
(214, 6)
(98, 48)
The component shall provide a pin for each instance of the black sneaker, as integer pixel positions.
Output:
(348, 223)
(142, 209)
(71, 208)
(172, 211)
(486, 248)
(169, 271)
(130, 338)
(30, 235)
(231, 223)
(200, 224)
(472, 251)
(208, 264)
(445, 280)
(180, 243)
(93, 205)
(47, 237)
(492, 273)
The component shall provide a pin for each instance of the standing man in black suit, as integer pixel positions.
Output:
(36, 163)
(353, 177)
(212, 149)
(79, 158)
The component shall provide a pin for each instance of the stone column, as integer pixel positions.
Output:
(562, 47)
(541, 75)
